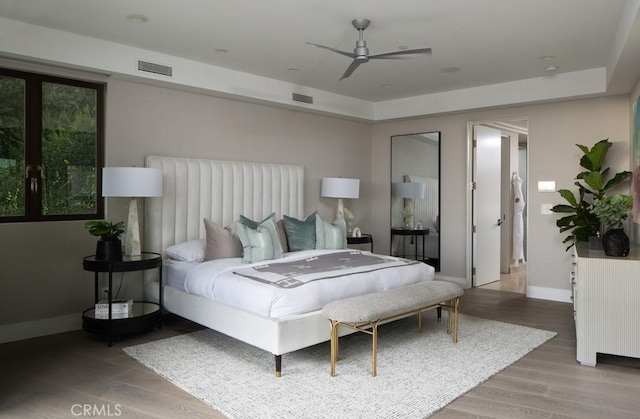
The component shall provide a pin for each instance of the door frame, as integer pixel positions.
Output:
(469, 196)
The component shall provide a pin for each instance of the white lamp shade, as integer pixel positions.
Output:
(409, 190)
(131, 181)
(337, 187)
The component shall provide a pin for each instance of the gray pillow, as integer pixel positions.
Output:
(222, 242)
(301, 235)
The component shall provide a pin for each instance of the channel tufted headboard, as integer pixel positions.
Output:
(219, 190)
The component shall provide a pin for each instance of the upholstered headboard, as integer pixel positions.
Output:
(219, 190)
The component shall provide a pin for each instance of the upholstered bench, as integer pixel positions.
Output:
(365, 313)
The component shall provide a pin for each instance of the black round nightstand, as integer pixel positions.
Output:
(144, 314)
(363, 239)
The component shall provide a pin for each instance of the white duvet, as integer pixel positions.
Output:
(215, 280)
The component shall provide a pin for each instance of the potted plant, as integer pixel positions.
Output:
(593, 183)
(109, 246)
(611, 211)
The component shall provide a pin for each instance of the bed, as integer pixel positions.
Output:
(223, 191)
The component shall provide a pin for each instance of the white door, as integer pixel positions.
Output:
(487, 216)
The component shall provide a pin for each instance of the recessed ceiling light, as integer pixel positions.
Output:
(403, 47)
(293, 69)
(546, 57)
(137, 18)
(221, 51)
(450, 70)
(387, 85)
(551, 68)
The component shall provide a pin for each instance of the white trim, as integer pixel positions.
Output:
(552, 294)
(454, 279)
(42, 327)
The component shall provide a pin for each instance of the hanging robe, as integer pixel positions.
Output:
(518, 222)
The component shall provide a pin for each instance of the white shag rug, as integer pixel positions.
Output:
(418, 373)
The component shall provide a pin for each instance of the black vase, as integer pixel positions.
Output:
(615, 242)
(109, 249)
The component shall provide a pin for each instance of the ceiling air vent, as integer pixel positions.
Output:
(155, 68)
(302, 98)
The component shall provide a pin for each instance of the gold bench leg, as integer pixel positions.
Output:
(374, 335)
(456, 303)
(334, 346)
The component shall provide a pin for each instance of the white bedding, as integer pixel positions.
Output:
(215, 280)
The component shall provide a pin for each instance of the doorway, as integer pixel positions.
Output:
(498, 154)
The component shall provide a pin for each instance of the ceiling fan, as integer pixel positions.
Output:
(361, 55)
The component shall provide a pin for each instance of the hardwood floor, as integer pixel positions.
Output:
(57, 376)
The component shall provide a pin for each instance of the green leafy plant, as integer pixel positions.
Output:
(105, 229)
(612, 210)
(592, 185)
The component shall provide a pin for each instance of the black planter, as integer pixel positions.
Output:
(615, 242)
(109, 249)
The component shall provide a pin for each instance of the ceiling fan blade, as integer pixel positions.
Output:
(345, 53)
(352, 67)
(403, 54)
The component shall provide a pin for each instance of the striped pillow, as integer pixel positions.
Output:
(331, 235)
(259, 240)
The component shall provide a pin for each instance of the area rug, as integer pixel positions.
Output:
(418, 373)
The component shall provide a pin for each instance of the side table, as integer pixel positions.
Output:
(144, 314)
(363, 239)
(415, 234)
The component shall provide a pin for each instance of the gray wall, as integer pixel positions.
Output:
(554, 129)
(41, 276)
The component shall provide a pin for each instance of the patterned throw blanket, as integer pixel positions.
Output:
(299, 272)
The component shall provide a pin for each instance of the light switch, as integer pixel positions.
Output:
(546, 186)
(545, 209)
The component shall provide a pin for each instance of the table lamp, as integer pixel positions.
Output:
(410, 192)
(133, 182)
(341, 188)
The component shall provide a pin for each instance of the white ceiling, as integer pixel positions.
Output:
(489, 41)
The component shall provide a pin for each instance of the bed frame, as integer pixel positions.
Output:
(222, 191)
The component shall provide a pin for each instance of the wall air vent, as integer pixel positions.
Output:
(302, 98)
(155, 68)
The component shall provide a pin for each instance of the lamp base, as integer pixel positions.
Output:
(132, 242)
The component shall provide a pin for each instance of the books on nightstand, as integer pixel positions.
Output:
(120, 309)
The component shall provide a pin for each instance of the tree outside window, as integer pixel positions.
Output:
(51, 142)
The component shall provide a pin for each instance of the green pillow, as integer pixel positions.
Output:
(301, 235)
(331, 235)
(259, 240)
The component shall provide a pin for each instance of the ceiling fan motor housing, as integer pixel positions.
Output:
(361, 52)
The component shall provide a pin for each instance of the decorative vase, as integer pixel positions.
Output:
(109, 249)
(615, 242)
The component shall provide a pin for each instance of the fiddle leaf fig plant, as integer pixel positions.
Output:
(592, 183)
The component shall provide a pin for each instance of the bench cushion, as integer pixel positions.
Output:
(381, 305)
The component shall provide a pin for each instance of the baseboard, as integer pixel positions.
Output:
(37, 328)
(460, 281)
(552, 294)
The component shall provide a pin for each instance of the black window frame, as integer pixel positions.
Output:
(33, 146)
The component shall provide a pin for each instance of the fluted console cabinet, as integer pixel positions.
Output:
(607, 304)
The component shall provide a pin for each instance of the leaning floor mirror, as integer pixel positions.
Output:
(415, 197)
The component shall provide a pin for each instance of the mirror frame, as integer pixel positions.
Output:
(436, 263)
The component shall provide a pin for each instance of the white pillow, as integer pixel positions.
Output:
(189, 251)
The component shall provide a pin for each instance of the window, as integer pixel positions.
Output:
(51, 148)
